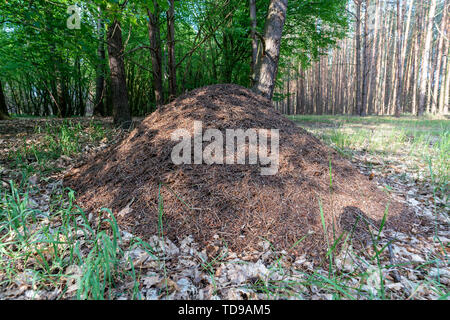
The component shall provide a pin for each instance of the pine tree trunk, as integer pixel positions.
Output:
(438, 79)
(390, 68)
(430, 80)
(365, 78)
(326, 85)
(398, 100)
(358, 98)
(318, 88)
(374, 61)
(288, 87)
(426, 58)
(446, 88)
(443, 97)
(404, 59)
(301, 91)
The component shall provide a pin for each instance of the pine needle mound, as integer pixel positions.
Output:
(136, 177)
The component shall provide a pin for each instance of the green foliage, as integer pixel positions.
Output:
(312, 28)
(213, 45)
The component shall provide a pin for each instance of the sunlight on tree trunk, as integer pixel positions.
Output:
(267, 66)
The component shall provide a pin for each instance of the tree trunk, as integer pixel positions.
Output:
(438, 80)
(404, 59)
(398, 102)
(417, 52)
(121, 108)
(326, 85)
(318, 89)
(414, 100)
(267, 66)
(254, 40)
(446, 88)
(81, 107)
(99, 107)
(4, 115)
(60, 101)
(381, 79)
(61, 94)
(301, 91)
(430, 79)
(358, 98)
(426, 58)
(443, 97)
(365, 76)
(374, 61)
(391, 84)
(155, 48)
(171, 51)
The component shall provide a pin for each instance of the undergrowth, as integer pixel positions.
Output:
(60, 249)
(82, 256)
(419, 143)
(51, 141)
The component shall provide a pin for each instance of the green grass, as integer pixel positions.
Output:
(416, 143)
(53, 140)
(51, 246)
(404, 121)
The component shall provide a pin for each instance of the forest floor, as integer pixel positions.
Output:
(51, 249)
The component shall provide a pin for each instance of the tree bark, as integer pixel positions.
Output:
(288, 106)
(254, 40)
(4, 115)
(121, 108)
(61, 93)
(417, 52)
(267, 66)
(446, 88)
(438, 80)
(398, 102)
(391, 74)
(444, 95)
(404, 59)
(155, 48)
(374, 61)
(171, 51)
(365, 76)
(318, 88)
(358, 98)
(99, 107)
(426, 58)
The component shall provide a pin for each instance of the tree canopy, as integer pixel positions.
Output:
(47, 60)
